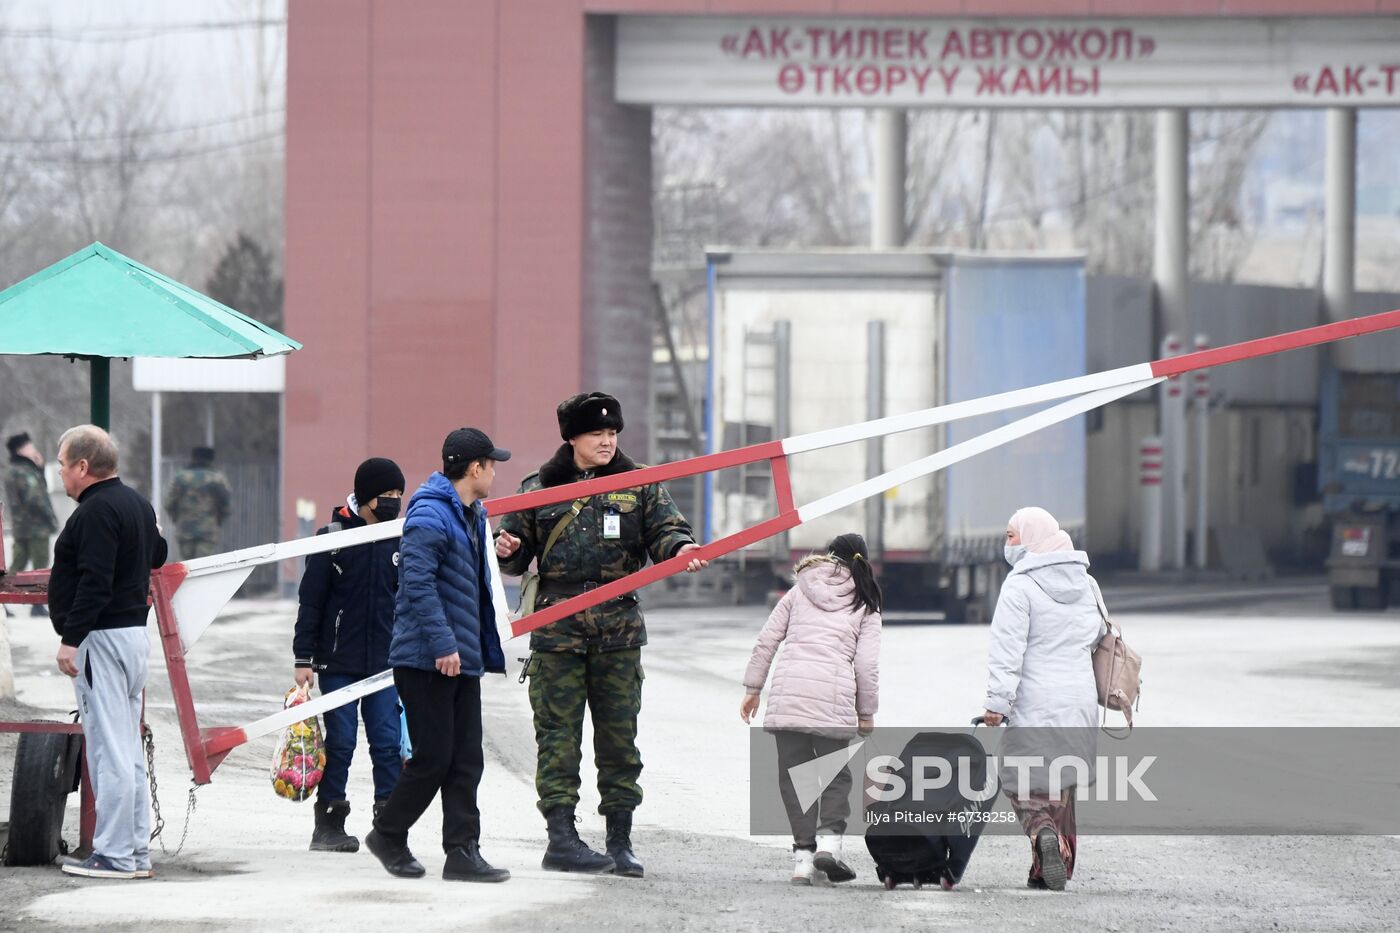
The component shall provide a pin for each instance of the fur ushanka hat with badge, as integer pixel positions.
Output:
(593, 411)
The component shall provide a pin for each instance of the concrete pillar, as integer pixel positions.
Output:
(875, 447)
(157, 446)
(1150, 478)
(1173, 316)
(618, 320)
(1339, 250)
(890, 141)
(782, 408)
(1172, 421)
(1200, 392)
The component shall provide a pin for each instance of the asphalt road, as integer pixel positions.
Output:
(1286, 659)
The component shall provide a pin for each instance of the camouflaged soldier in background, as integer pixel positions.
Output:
(29, 515)
(593, 658)
(197, 502)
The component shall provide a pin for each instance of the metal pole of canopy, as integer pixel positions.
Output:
(101, 412)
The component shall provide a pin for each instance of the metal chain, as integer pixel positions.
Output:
(157, 832)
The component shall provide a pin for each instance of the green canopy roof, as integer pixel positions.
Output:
(99, 303)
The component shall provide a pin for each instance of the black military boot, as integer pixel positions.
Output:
(620, 844)
(465, 863)
(394, 856)
(330, 834)
(567, 852)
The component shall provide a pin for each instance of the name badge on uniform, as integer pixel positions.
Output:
(612, 526)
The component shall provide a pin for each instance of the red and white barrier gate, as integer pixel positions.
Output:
(188, 596)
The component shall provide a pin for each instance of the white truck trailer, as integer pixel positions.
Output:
(802, 341)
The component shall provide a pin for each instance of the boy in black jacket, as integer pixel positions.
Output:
(344, 623)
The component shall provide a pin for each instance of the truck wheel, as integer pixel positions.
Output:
(957, 610)
(1370, 597)
(1343, 597)
(38, 796)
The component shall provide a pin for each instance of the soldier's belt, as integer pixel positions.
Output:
(566, 590)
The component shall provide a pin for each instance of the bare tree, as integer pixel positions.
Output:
(932, 174)
(89, 150)
(1223, 142)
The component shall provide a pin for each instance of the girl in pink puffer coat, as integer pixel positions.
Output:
(826, 688)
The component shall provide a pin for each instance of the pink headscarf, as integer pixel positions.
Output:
(1039, 531)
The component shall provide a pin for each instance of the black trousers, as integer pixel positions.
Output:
(444, 725)
(829, 812)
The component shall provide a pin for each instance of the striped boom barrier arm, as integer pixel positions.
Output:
(192, 593)
(226, 740)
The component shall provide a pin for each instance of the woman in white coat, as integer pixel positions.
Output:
(1040, 679)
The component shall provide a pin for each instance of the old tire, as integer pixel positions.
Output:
(1343, 597)
(42, 781)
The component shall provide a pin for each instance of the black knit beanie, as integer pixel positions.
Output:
(376, 475)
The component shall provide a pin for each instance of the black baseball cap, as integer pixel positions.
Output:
(467, 444)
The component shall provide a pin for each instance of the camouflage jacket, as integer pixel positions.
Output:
(198, 501)
(28, 511)
(650, 526)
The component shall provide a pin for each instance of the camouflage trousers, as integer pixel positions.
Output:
(192, 547)
(609, 683)
(31, 553)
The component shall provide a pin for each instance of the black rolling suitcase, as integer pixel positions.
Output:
(918, 853)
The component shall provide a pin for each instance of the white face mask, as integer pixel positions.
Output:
(1014, 553)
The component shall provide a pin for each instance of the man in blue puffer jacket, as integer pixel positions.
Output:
(444, 641)
(345, 617)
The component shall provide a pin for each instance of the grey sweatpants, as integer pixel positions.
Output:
(826, 815)
(111, 676)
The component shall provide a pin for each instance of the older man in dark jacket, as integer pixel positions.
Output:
(345, 618)
(444, 641)
(98, 600)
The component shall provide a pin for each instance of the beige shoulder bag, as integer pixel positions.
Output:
(1117, 672)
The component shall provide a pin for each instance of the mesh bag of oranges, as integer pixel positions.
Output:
(300, 759)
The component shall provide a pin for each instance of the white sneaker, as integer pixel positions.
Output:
(802, 869)
(828, 860)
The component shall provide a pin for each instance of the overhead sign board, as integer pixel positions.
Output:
(163, 374)
(1082, 62)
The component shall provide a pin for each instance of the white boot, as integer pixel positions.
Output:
(802, 869)
(829, 859)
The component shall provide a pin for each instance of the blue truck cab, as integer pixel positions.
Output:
(1359, 478)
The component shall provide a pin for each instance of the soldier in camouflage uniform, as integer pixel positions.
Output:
(593, 658)
(28, 511)
(198, 503)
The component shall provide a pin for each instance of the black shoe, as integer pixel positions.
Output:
(620, 845)
(329, 834)
(394, 856)
(1052, 863)
(567, 852)
(465, 863)
(1036, 884)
